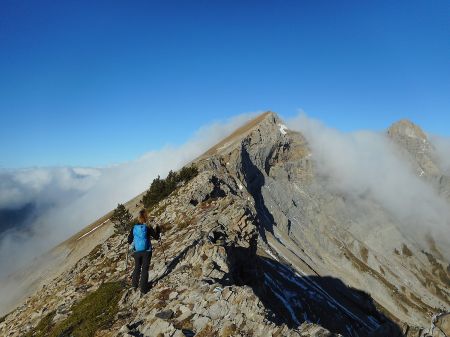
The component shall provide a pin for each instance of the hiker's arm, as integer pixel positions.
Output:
(130, 236)
(150, 232)
(154, 233)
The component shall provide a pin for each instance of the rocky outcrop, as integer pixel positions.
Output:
(417, 148)
(413, 140)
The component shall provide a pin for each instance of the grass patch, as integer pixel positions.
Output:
(95, 312)
(44, 327)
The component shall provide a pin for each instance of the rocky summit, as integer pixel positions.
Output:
(256, 244)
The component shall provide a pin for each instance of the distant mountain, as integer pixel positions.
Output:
(257, 244)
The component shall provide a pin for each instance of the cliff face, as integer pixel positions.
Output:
(255, 245)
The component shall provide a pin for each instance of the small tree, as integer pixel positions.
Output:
(121, 219)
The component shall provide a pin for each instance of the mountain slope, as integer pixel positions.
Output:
(256, 244)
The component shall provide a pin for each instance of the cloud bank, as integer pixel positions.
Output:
(68, 199)
(442, 146)
(368, 164)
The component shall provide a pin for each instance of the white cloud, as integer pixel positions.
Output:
(43, 185)
(75, 197)
(365, 163)
(442, 146)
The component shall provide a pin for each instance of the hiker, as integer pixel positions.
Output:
(140, 235)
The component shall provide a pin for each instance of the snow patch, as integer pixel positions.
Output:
(93, 229)
(279, 294)
(271, 255)
(283, 128)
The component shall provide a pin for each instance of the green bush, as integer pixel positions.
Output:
(161, 188)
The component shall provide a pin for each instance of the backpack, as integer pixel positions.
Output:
(141, 242)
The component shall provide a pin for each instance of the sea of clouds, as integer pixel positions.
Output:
(67, 199)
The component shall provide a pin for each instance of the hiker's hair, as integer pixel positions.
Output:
(142, 216)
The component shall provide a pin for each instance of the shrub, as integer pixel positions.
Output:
(3, 318)
(406, 251)
(161, 188)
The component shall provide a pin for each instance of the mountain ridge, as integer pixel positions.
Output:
(255, 209)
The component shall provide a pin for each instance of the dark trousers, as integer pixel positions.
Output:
(141, 266)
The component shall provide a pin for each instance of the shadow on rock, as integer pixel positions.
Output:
(293, 299)
(255, 180)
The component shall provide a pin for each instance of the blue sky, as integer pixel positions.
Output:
(96, 83)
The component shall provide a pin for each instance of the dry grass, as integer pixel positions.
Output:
(207, 331)
(73, 240)
(185, 323)
(398, 296)
(207, 204)
(197, 271)
(160, 305)
(163, 295)
(184, 221)
(364, 252)
(228, 331)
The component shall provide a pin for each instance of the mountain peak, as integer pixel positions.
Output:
(266, 122)
(406, 128)
(414, 141)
